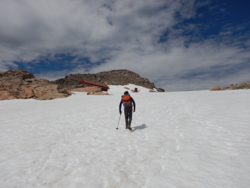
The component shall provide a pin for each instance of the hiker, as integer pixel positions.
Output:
(127, 101)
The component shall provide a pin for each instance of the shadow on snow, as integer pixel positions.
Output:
(139, 127)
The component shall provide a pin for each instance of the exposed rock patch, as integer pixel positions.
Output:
(97, 93)
(245, 85)
(92, 90)
(20, 84)
(114, 77)
(87, 89)
(217, 88)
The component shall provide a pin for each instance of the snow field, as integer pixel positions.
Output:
(182, 139)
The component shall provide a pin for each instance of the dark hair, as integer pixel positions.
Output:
(126, 92)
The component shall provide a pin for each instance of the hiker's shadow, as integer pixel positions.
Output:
(139, 127)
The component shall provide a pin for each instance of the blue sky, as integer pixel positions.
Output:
(178, 44)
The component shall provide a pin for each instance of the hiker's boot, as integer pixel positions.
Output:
(129, 127)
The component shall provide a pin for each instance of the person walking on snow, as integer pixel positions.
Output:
(127, 101)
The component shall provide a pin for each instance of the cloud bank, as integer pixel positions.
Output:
(163, 40)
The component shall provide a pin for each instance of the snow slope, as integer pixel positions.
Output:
(131, 87)
(179, 139)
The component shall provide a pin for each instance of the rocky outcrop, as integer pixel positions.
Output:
(245, 85)
(23, 85)
(114, 77)
(217, 88)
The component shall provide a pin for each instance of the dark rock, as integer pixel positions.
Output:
(160, 90)
(28, 76)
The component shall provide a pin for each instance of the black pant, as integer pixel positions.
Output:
(128, 116)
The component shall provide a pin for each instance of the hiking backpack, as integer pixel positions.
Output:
(127, 102)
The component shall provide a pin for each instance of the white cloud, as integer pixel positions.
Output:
(36, 28)
(125, 33)
(6, 65)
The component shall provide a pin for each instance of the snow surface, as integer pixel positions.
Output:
(179, 139)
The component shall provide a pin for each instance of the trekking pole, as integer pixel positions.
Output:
(118, 121)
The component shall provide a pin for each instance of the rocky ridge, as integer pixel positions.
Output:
(113, 77)
(245, 85)
(20, 84)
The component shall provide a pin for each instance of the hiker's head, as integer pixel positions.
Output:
(126, 93)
